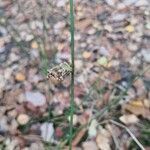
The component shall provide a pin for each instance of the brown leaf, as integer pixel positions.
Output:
(129, 119)
(103, 139)
(78, 137)
(89, 145)
(138, 110)
(83, 24)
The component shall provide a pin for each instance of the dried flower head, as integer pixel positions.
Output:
(59, 72)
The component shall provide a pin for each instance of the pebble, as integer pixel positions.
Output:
(2, 110)
(130, 2)
(61, 3)
(36, 146)
(47, 131)
(110, 2)
(2, 82)
(13, 57)
(1, 139)
(86, 54)
(119, 17)
(102, 61)
(34, 45)
(20, 76)
(13, 126)
(78, 64)
(129, 28)
(12, 113)
(3, 124)
(36, 98)
(142, 3)
(146, 55)
(91, 31)
(104, 51)
(23, 119)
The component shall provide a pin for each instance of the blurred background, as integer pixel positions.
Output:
(112, 76)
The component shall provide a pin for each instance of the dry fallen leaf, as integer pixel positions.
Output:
(78, 137)
(83, 24)
(139, 107)
(89, 145)
(141, 103)
(103, 139)
(129, 119)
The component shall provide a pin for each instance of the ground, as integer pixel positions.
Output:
(112, 81)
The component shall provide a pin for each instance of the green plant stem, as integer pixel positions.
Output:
(72, 73)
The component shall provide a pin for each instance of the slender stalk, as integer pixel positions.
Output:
(130, 133)
(72, 73)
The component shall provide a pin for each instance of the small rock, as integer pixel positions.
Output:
(2, 82)
(86, 54)
(102, 61)
(12, 113)
(61, 3)
(119, 17)
(130, 2)
(34, 45)
(91, 31)
(8, 73)
(110, 2)
(2, 110)
(92, 131)
(29, 37)
(13, 126)
(1, 139)
(59, 25)
(146, 55)
(148, 25)
(23, 119)
(2, 42)
(11, 145)
(129, 28)
(104, 51)
(108, 28)
(13, 57)
(3, 124)
(142, 3)
(78, 65)
(20, 76)
(36, 146)
(2, 49)
(58, 132)
(47, 131)
(36, 98)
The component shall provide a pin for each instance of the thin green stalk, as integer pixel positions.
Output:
(72, 73)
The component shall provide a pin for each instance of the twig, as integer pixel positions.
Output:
(72, 73)
(114, 138)
(129, 132)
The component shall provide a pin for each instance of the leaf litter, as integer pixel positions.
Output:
(111, 56)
